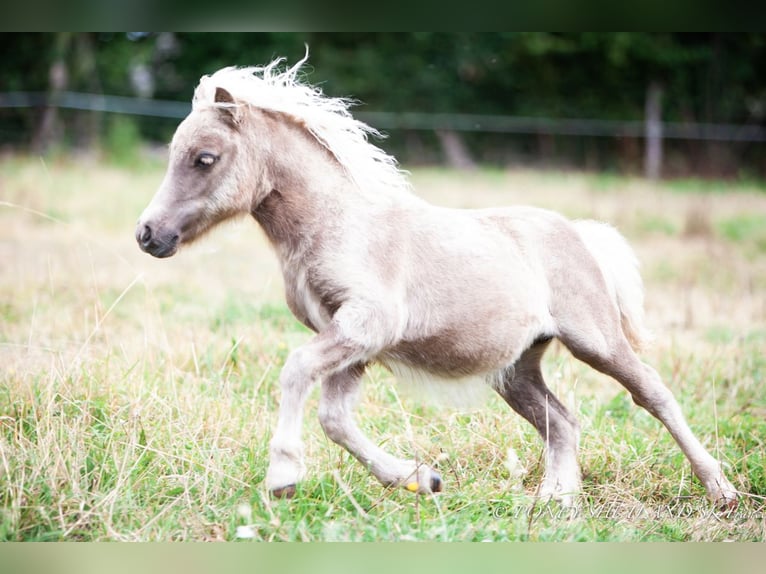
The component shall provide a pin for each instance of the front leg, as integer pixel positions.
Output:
(336, 405)
(305, 366)
(336, 357)
(346, 341)
(286, 466)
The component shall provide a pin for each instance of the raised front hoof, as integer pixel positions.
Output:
(283, 491)
(427, 484)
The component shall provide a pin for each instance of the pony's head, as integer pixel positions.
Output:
(224, 155)
(210, 175)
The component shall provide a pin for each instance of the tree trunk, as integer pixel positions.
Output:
(88, 122)
(455, 150)
(653, 132)
(48, 131)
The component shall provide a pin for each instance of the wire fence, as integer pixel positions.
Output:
(413, 120)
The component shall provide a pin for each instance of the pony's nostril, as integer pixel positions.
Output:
(157, 241)
(146, 235)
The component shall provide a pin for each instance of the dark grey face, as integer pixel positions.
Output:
(200, 187)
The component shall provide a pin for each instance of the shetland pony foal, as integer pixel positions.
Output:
(381, 275)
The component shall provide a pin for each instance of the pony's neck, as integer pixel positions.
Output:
(306, 183)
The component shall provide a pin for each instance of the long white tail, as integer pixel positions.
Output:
(619, 265)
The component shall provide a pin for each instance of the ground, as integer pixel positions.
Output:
(138, 395)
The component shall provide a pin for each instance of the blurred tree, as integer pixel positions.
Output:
(48, 129)
(708, 77)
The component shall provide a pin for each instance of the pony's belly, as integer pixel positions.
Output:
(448, 391)
(450, 357)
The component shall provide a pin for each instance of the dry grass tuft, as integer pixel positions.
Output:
(698, 221)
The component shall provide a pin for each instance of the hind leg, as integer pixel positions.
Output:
(618, 360)
(525, 391)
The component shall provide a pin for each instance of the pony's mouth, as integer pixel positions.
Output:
(162, 250)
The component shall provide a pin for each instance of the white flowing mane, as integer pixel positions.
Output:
(327, 119)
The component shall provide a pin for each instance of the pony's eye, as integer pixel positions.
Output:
(205, 159)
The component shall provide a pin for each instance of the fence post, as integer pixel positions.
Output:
(653, 132)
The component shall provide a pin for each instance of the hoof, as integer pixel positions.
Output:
(728, 504)
(434, 485)
(283, 492)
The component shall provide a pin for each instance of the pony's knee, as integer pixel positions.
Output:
(333, 421)
(297, 369)
(309, 363)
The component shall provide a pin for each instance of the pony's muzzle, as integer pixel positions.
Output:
(156, 243)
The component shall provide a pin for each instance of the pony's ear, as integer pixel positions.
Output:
(230, 110)
(222, 96)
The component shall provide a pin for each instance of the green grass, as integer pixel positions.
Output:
(703, 186)
(137, 396)
(748, 229)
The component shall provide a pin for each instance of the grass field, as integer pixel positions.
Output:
(137, 395)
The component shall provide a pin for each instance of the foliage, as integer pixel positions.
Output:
(123, 140)
(707, 77)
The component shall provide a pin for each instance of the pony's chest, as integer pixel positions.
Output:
(307, 301)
